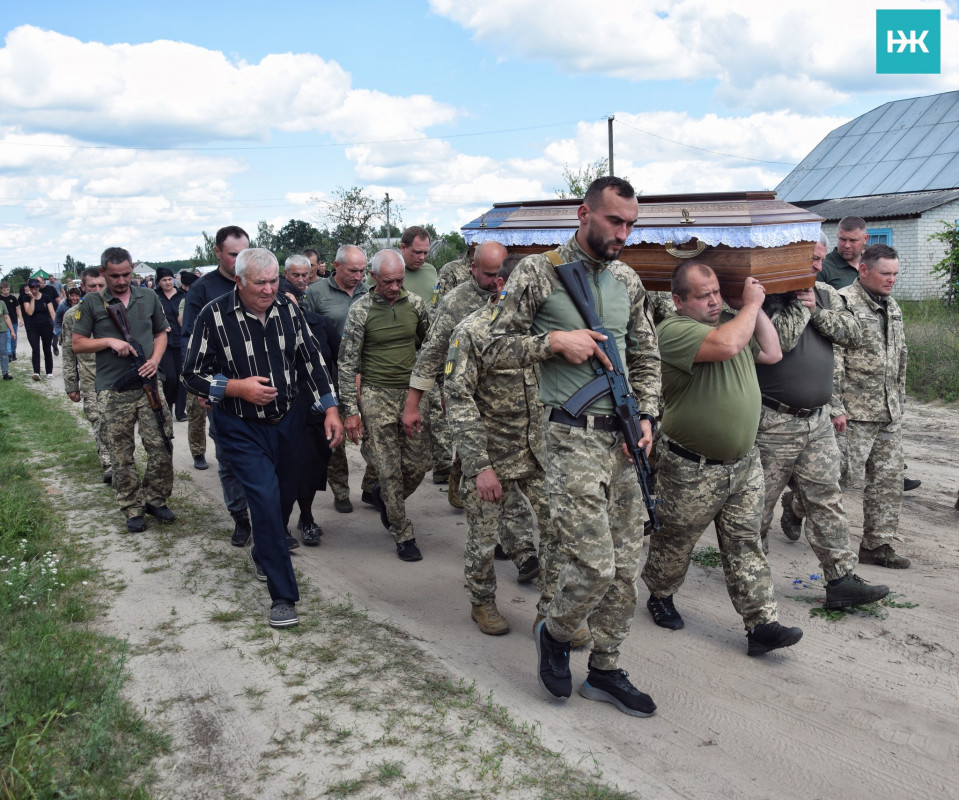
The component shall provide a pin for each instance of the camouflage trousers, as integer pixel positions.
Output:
(803, 452)
(196, 425)
(91, 410)
(873, 463)
(400, 462)
(122, 412)
(729, 495)
(509, 521)
(441, 443)
(598, 521)
(338, 473)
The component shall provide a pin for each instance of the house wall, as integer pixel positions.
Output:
(917, 254)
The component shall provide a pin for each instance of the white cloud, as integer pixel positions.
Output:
(165, 93)
(743, 45)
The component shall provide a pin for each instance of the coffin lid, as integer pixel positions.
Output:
(734, 219)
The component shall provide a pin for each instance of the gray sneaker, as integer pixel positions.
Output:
(257, 569)
(283, 614)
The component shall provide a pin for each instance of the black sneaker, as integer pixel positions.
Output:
(529, 570)
(311, 534)
(789, 522)
(908, 484)
(771, 636)
(56, 349)
(137, 524)
(408, 551)
(108, 476)
(163, 514)
(664, 613)
(853, 591)
(378, 496)
(199, 462)
(283, 614)
(242, 529)
(613, 686)
(371, 499)
(7, 376)
(554, 674)
(500, 554)
(257, 569)
(291, 542)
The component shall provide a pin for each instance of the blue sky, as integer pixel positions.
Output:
(143, 125)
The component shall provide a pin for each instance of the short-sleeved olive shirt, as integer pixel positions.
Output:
(711, 408)
(146, 319)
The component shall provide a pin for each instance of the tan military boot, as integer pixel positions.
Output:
(489, 619)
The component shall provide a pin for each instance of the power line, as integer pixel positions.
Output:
(705, 150)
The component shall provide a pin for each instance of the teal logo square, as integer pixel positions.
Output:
(908, 42)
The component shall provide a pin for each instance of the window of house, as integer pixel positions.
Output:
(880, 236)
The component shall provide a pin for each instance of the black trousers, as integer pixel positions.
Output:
(41, 338)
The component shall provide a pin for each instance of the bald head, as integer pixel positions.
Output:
(487, 260)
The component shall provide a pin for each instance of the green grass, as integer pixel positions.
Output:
(932, 337)
(707, 557)
(65, 731)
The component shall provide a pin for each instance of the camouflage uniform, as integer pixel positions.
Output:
(660, 305)
(80, 375)
(122, 411)
(803, 451)
(594, 498)
(496, 417)
(694, 493)
(451, 275)
(872, 381)
(400, 462)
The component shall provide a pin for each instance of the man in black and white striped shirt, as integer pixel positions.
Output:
(250, 353)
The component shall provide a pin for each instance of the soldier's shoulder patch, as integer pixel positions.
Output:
(76, 314)
(451, 356)
(502, 297)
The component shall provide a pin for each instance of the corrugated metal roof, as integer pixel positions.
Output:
(881, 206)
(903, 146)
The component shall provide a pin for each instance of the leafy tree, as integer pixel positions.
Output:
(295, 237)
(203, 255)
(578, 181)
(351, 217)
(72, 267)
(265, 236)
(17, 277)
(948, 268)
(395, 233)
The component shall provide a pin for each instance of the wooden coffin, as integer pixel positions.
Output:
(738, 234)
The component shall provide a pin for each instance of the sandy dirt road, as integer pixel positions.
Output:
(862, 707)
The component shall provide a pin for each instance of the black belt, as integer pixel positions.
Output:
(610, 423)
(679, 450)
(802, 413)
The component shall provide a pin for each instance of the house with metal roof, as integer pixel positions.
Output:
(897, 167)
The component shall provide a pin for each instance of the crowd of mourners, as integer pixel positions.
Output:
(744, 403)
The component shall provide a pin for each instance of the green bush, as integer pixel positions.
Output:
(932, 336)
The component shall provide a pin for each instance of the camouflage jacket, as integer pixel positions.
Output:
(79, 369)
(387, 363)
(871, 378)
(516, 338)
(451, 275)
(661, 306)
(452, 309)
(494, 413)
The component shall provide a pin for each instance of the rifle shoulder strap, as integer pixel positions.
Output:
(554, 257)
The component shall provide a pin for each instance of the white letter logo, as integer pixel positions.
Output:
(912, 42)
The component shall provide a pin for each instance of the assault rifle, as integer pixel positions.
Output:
(611, 382)
(118, 314)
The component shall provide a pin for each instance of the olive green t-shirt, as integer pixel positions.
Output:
(710, 408)
(422, 282)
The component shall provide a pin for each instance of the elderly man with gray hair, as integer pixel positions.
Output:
(379, 345)
(250, 355)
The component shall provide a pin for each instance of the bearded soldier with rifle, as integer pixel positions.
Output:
(126, 328)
